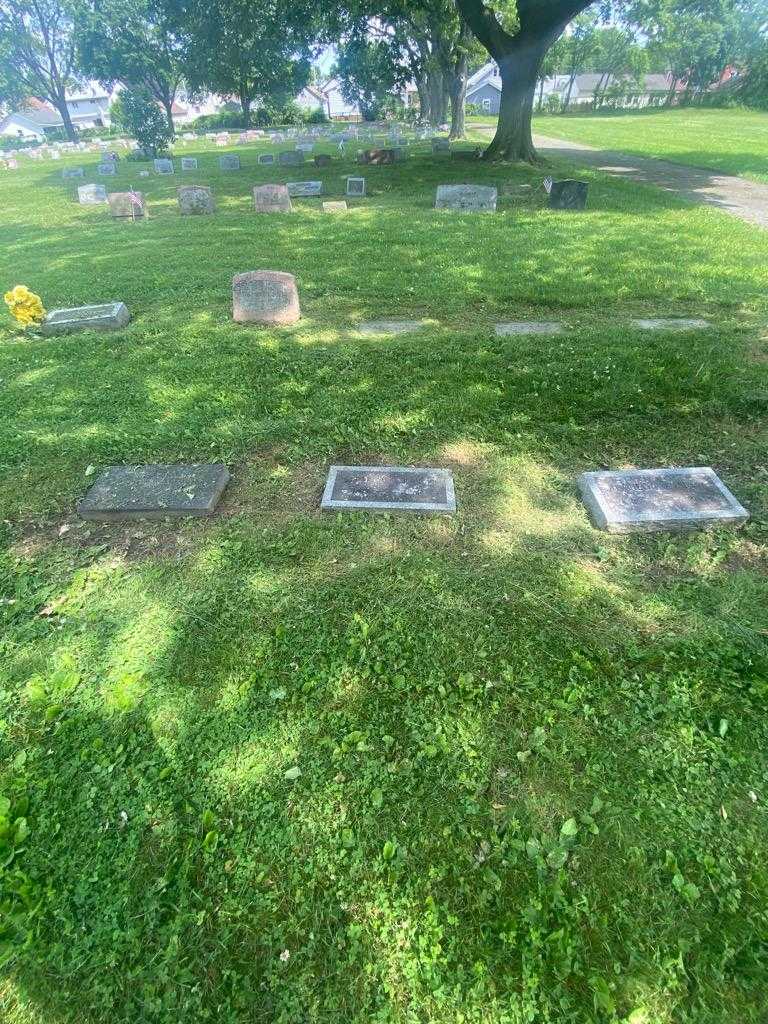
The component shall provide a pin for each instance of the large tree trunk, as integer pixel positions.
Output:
(437, 96)
(458, 90)
(519, 73)
(245, 106)
(424, 105)
(60, 103)
(168, 108)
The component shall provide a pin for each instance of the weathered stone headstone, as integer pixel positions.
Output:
(304, 188)
(322, 160)
(272, 199)
(529, 327)
(163, 166)
(72, 172)
(335, 207)
(265, 297)
(107, 168)
(229, 162)
(389, 326)
(110, 316)
(441, 146)
(355, 186)
(195, 200)
(389, 487)
(189, 163)
(122, 493)
(671, 324)
(568, 194)
(629, 501)
(266, 158)
(466, 198)
(305, 147)
(127, 204)
(91, 195)
(291, 158)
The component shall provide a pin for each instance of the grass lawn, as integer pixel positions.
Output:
(730, 141)
(532, 777)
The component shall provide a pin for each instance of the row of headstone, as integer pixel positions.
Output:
(625, 501)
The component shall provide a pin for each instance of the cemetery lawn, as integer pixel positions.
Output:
(281, 766)
(728, 141)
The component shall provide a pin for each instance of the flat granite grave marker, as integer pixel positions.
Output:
(670, 324)
(466, 198)
(266, 158)
(389, 326)
(389, 487)
(272, 199)
(568, 194)
(189, 163)
(291, 157)
(652, 500)
(529, 327)
(265, 297)
(163, 166)
(355, 186)
(127, 204)
(195, 200)
(107, 168)
(335, 207)
(154, 492)
(110, 316)
(297, 189)
(229, 162)
(91, 195)
(72, 172)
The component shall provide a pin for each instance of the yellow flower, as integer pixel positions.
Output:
(26, 307)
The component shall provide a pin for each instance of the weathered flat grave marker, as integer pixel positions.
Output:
(107, 168)
(389, 326)
(72, 172)
(163, 166)
(567, 194)
(529, 327)
(355, 186)
(297, 189)
(110, 316)
(266, 158)
(650, 500)
(189, 163)
(670, 324)
(91, 195)
(291, 157)
(466, 198)
(335, 207)
(154, 492)
(265, 297)
(229, 162)
(127, 204)
(389, 487)
(272, 199)
(195, 200)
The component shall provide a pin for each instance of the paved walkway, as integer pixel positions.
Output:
(747, 200)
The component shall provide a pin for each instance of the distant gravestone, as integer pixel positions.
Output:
(322, 160)
(298, 189)
(195, 200)
(265, 297)
(127, 204)
(122, 493)
(377, 157)
(291, 158)
(670, 324)
(650, 500)
(568, 194)
(272, 199)
(355, 186)
(389, 326)
(389, 487)
(91, 195)
(143, 174)
(189, 163)
(466, 198)
(163, 166)
(266, 158)
(305, 147)
(229, 162)
(72, 172)
(529, 327)
(441, 146)
(108, 317)
(335, 207)
(107, 168)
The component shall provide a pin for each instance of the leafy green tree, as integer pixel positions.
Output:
(141, 116)
(616, 55)
(580, 49)
(37, 43)
(553, 63)
(369, 74)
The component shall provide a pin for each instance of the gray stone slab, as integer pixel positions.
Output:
(72, 172)
(441, 146)
(127, 204)
(355, 186)
(389, 487)
(110, 316)
(265, 297)
(466, 198)
(529, 327)
(297, 189)
(389, 326)
(229, 162)
(189, 163)
(670, 324)
(195, 200)
(154, 492)
(163, 166)
(91, 195)
(291, 158)
(568, 194)
(271, 199)
(108, 168)
(337, 206)
(650, 500)
(266, 158)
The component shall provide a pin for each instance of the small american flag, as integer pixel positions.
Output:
(548, 183)
(135, 198)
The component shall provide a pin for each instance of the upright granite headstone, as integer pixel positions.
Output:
(568, 194)
(266, 158)
(297, 189)
(272, 199)
(229, 162)
(91, 195)
(441, 146)
(291, 158)
(355, 186)
(108, 317)
(122, 493)
(265, 297)
(466, 198)
(651, 500)
(189, 163)
(385, 488)
(163, 166)
(195, 200)
(127, 204)
(108, 167)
